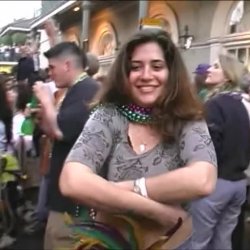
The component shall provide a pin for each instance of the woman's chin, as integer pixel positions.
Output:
(145, 104)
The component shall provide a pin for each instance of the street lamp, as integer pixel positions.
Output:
(186, 39)
(77, 8)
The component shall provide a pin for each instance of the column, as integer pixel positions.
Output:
(143, 9)
(84, 40)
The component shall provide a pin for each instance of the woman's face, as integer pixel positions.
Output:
(215, 74)
(148, 74)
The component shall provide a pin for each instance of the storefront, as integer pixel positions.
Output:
(102, 26)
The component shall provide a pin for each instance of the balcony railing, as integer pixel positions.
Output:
(9, 56)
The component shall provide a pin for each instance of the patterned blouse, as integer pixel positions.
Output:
(103, 146)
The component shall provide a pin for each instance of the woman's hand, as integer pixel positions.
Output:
(168, 214)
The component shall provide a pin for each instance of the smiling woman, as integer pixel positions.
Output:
(144, 148)
(148, 74)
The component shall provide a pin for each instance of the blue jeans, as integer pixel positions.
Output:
(216, 216)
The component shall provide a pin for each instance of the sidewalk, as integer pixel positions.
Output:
(24, 241)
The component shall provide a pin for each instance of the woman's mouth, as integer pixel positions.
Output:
(147, 89)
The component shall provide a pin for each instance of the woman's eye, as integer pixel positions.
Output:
(135, 67)
(158, 67)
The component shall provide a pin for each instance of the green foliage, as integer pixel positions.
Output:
(6, 40)
(19, 38)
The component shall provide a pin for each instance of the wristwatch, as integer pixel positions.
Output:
(137, 188)
(140, 187)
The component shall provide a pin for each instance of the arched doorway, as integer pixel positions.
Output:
(220, 20)
(160, 10)
(105, 42)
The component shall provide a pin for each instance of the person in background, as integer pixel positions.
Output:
(7, 183)
(146, 146)
(215, 216)
(45, 147)
(6, 115)
(43, 141)
(52, 30)
(200, 75)
(25, 66)
(42, 144)
(239, 232)
(24, 110)
(21, 112)
(11, 91)
(93, 64)
(66, 69)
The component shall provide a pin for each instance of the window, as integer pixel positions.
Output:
(161, 10)
(105, 40)
(233, 28)
(242, 53)
(236, 16)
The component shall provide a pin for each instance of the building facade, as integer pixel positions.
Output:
(103, 26)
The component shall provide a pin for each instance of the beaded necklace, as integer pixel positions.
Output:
(135, 113)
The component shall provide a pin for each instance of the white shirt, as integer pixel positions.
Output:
(52, 87)
(16, 130)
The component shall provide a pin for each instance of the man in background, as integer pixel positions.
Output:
(66, 67)
(93, 64)
(25, 66)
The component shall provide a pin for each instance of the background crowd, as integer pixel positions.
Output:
(199, 132)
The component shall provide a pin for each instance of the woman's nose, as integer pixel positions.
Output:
(209, 69)
(146, 73)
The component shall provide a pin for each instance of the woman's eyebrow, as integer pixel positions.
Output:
(154, 60)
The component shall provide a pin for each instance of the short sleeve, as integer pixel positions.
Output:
(74, 113)
(94, 144)
(195, 144)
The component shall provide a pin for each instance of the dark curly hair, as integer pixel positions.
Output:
(178, 103)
